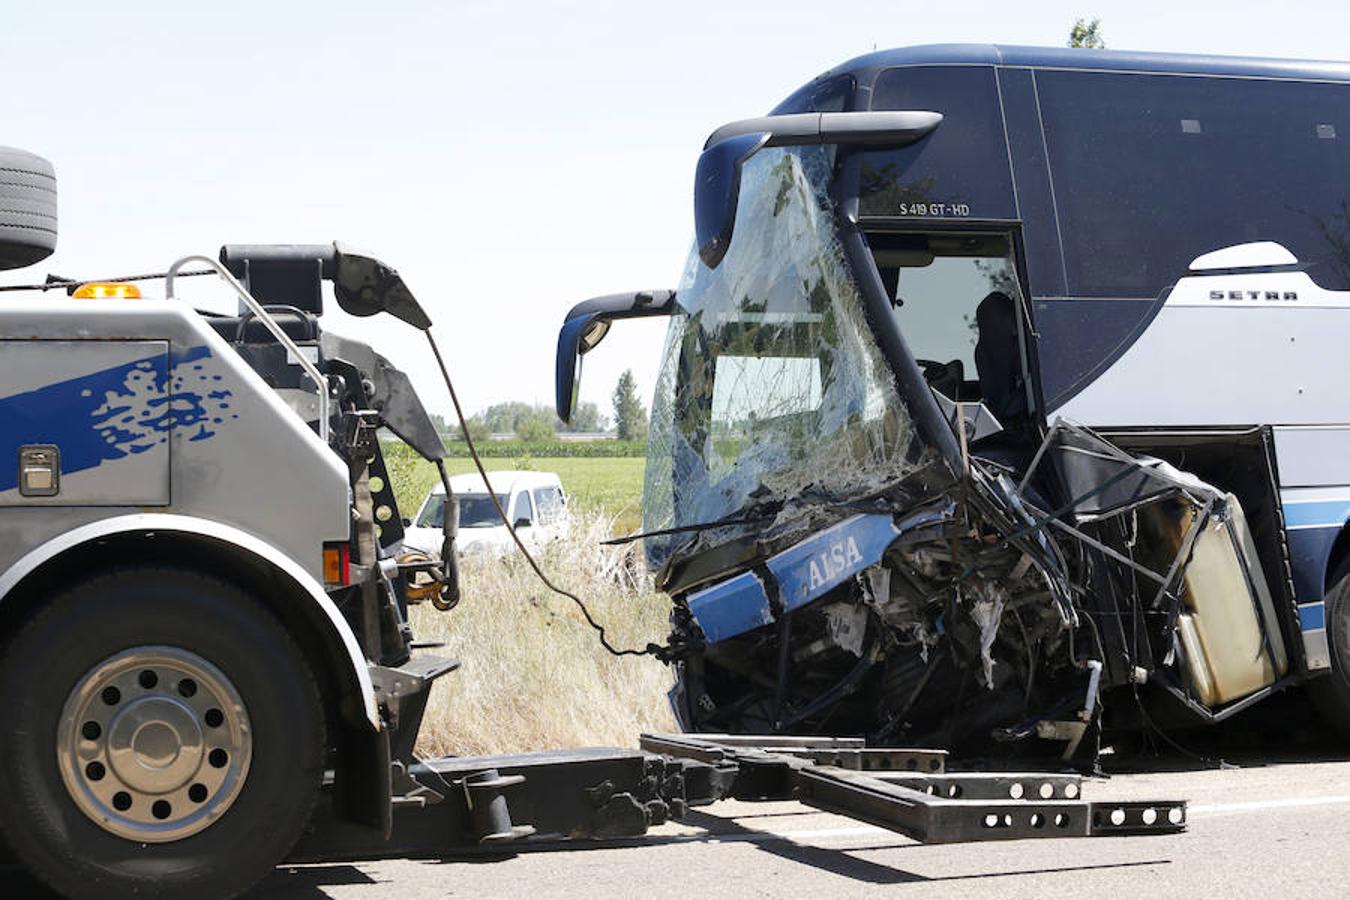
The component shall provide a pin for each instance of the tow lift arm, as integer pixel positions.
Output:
(464, 804)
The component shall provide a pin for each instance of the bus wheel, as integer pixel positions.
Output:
(164, 738)
(1331, 693)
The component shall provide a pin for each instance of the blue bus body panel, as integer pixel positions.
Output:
(801, 573)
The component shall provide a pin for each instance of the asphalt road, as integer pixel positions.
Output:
(1260, 831)
(1271, 823)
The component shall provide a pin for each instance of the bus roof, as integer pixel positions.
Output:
(865, 68)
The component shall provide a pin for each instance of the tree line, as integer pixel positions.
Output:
(537, 422)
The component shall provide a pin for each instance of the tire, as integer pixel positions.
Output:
(27, 208)
(197, 633)
(1331, 693)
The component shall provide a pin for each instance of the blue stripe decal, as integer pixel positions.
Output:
(113, 413)
(1315, 513)
(803, 572)
(826, 560)
(1312, 616)
(1309, 549)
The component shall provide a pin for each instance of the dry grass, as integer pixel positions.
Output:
(534, 675)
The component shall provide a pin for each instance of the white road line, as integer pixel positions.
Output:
(1205, 809)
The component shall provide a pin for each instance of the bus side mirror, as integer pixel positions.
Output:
(586, 325)
(717, 179)
(717, 191)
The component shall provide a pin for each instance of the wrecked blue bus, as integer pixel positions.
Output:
(1001, 400)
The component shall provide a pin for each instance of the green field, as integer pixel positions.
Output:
(613, 484)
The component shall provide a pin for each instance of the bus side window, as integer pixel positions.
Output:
(1151, 171)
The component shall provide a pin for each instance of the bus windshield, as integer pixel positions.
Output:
(772, 393)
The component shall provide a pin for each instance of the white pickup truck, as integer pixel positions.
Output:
(535, 503)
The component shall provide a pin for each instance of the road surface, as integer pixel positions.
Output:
(1269, 827)
(1256, 831)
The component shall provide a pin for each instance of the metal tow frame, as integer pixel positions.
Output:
(910, 791)
(560, 798)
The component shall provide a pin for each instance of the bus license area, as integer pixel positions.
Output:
(936, 210)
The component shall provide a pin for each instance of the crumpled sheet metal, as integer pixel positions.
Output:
(1106, 481)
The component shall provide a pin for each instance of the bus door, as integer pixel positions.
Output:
(958, 299)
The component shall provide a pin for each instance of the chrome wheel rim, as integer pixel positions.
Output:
(154, 744)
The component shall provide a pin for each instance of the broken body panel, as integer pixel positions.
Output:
(866, 493)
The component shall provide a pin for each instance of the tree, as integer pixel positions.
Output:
(503, 417)
(587, 418)
(1087, 35)
(478, 429)
(630, 416)
(535, 428)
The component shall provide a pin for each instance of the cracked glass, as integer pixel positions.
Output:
(773, 397)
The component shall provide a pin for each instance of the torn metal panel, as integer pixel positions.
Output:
(1105, 480)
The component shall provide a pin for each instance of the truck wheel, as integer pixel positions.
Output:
(27, 208)
(1331, 693)
(164, 737)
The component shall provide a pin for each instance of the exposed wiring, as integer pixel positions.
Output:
(651, 649)
(685, 529)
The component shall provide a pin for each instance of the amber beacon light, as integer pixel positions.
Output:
(103, 290)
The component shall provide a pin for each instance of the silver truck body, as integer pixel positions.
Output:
(151, 413)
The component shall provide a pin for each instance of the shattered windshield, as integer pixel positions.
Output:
(772, 392)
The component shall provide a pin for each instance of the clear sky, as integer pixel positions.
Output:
(510, 158)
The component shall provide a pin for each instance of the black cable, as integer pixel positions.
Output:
(54, 283)
(684, 529)
(651, 649)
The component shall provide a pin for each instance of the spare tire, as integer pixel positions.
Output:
(27, 208)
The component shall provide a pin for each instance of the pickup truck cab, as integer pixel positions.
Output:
(535, 502)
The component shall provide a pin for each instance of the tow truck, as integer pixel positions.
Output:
(207, 657)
